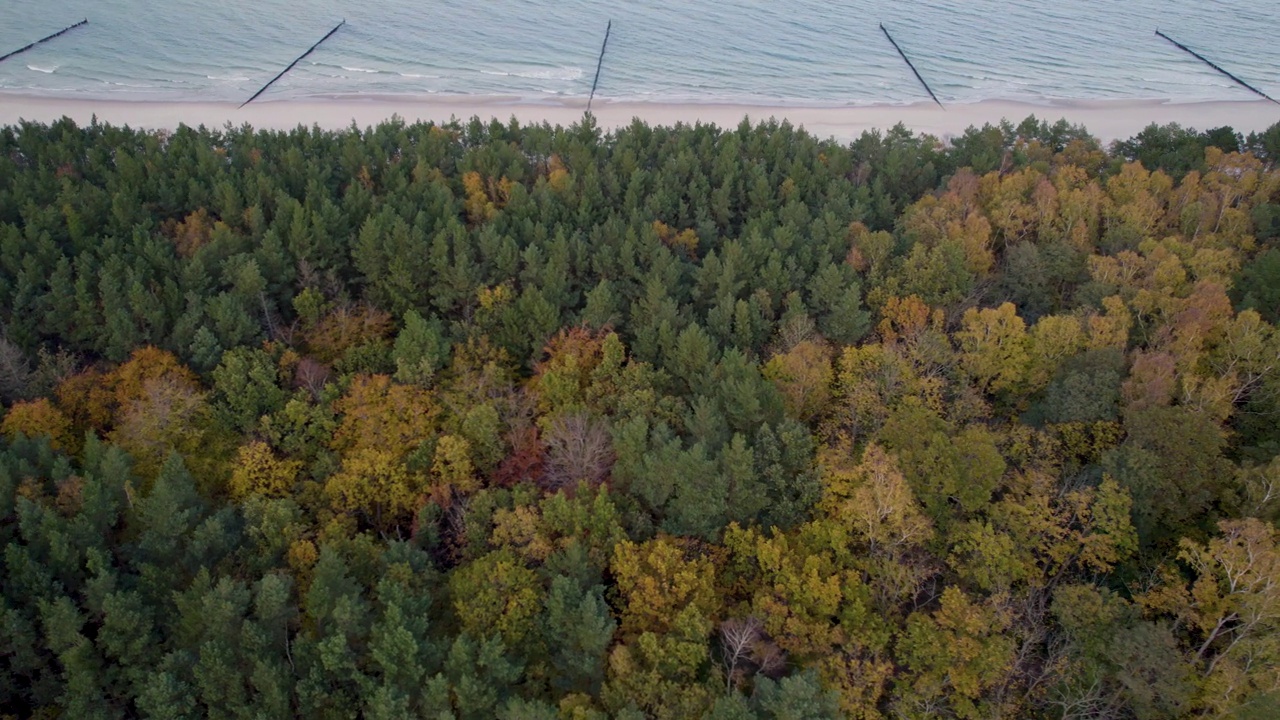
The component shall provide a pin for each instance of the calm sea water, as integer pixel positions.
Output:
(796, 52)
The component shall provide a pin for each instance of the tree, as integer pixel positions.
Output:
(1173, 148)
(739, 640)
(497, 596)
(656, 580)
(964, 468)
(1172, 464)
(803, 375)
(869, 381)
(1086, 389)
(836, 296)
(1036, 536)
(258, 471)
(337, 615)
(246, 386)
(877, 501)
(164, 519)
(953, 657)
(1112, 662)
(578, 629)
(799, 697)
(993, 348)
(166, 415)
(40, 418)
(331, 333)
(452, 468)
(579, 451)
(129, 381)
(1052, 340)
(377, 485)
(380, 415)
(1229, 608)
(420, 350)
(563, 378)
(1257, 286)
(661, 674)
(15, 373)
(480, 676)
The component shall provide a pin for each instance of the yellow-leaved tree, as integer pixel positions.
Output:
(258, 471)
(669, 600)
(376, 485)
(804, 376)
(993, 348)
(384, 415)
(40, 418)
(383, 423)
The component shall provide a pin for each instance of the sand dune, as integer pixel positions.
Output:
(1105, 119)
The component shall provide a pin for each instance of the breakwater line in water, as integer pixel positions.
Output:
(912, 66)
(27, 47)
(295, 62)
(1213, 65)
(599, 64)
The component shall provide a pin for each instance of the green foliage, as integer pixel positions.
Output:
(579, 631)
(1175, 149)
(420, 350)
(1259, 285)
(1086, 388)
(246, 387)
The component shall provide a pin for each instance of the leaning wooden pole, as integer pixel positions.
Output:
(912, 66)
(599, 64)
(1211, 64)
(67, 29)
(295, 62)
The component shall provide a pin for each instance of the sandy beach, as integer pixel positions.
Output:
(1107, 120)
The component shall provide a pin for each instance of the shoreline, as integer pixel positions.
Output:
(1105, 119)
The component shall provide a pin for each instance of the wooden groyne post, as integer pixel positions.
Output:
(599, 64)
(912, 66)
(1211, 64)
(295, 62)
(67, 29)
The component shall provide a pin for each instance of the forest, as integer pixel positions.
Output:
(482, 420)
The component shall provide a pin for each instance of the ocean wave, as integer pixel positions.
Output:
(47, 71)
(130, 85)
(358, 69)
(565, 73)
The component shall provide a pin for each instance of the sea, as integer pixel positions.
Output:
(800, 52)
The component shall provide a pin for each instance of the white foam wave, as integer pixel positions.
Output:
(565, 73)
(358, 69)
(39, 69)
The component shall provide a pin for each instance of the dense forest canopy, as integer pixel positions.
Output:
(482, 420)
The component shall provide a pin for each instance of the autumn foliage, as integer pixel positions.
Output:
(487, 421)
